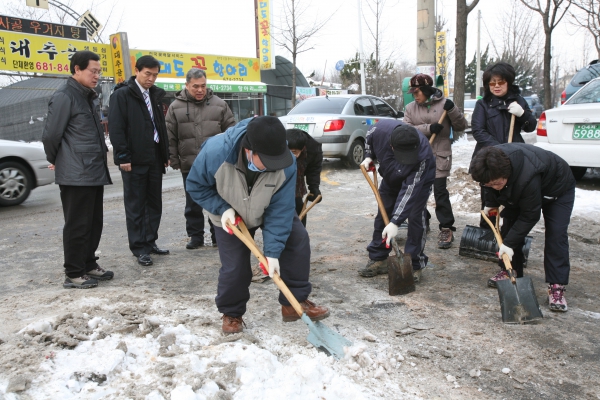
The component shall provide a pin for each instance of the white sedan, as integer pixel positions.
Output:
(572, 130)
(23, 167)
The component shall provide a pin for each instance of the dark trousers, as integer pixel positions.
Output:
(299, 205)
(443, 208)
(235, 274)
(142, 187)
(82, 208)
(417, 234)
(557, 214)
(194, 217)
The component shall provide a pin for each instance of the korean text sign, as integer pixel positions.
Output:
(22, 25)
(225, 68)
(265, 41)
(46, 55)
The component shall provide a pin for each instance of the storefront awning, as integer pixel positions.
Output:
(175, 85)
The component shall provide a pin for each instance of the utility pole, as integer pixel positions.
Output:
(478, 69)
(363, 85)
(426, 37)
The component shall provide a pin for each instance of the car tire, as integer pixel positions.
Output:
(356, 155)
(578, 172)
(16, 183)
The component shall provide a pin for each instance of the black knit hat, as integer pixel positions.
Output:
(405, 142)
(266, 137)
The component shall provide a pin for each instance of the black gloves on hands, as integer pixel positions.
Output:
(448, 105)
(436, 128)
(314, 192)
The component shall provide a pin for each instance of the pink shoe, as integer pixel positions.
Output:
(556, 297)
(500, 276)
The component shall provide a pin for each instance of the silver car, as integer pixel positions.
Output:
(468, 107)
(340, 123)
(23, 167)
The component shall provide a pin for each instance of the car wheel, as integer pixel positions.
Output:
(356, 155)
(578, 172)
(15, 183)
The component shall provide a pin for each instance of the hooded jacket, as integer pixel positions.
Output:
(537, 176)
(217, 181)
(409, 179)
(190, 122)
(131, 128)
(421, 116)
(490, 123)
(74, 139)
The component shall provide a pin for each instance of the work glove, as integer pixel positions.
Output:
(368, 164)
(228, 215)
(448, 105)
(271, 268)
(436, 128)
(390, 232)
(490, 211)
(515, 109)
(314, 193)
(505, 250)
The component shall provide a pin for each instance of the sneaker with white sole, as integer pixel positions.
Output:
(500, 276)
(556, 297)
(82, 282)
(101, 274)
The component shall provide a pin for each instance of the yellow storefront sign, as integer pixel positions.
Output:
(265, 41)
(46, 55)
(441, 59)
(224, 68)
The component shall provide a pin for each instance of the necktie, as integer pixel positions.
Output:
(147, 100)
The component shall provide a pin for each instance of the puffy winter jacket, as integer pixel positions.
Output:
(408, 179)
(421, 116)
(191, 122)
(537, 176)
(74, 139)
(217, 182)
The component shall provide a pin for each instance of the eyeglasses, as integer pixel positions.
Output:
(499, 83)
(97, 72)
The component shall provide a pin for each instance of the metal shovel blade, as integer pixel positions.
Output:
(400, 276)
(324, 339)
(518, 302)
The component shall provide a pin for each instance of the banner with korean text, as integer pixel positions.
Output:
(441, 59)
(265, 41)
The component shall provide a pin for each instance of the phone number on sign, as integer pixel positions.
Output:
(42, 66)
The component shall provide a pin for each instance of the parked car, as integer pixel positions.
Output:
(573, 130)
(535, 105)
(340, 123)
(468, 108)
(23, 167)
(583, 76)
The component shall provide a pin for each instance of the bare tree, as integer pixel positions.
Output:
(588, 18)
(295, 31)
(551, 13)
(376, 30)
(460, 62)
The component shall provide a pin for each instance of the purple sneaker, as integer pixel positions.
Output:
(500, 276)
(556, 297)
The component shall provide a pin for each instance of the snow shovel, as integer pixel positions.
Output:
(400, 276)
(432, 137)
(312, 204)
(517, 296)
(320, 336)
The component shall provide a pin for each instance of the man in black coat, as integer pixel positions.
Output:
(309, 159)
(529, 181)
(74, 143)
(138, 133)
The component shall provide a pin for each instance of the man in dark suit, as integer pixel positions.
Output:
(140, 145)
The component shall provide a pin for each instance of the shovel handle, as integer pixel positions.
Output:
(249, 242)
(305, 210)
(512, 128)
(499, 240)
(376, 192)
(432, 138)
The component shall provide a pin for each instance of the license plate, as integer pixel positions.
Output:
(586, 132)
(303, 127)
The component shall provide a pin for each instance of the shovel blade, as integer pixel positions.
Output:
(400, 277)
(325, 339)
(518, 302)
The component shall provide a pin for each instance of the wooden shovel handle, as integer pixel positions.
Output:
(499, 240)
(306, 210)
(432, 137)
(249, 242)
(376, 192)
(512, 128)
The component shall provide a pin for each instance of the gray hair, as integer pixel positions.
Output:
(194, 73)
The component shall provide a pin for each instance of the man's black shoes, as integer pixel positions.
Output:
(194, 243)
(144, 259)
(160, 252)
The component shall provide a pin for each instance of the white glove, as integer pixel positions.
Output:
(390, 232)
(515, 109)
(273, 266)
(367, 163)
(506, 250)
(486, 211)
(228, 215)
